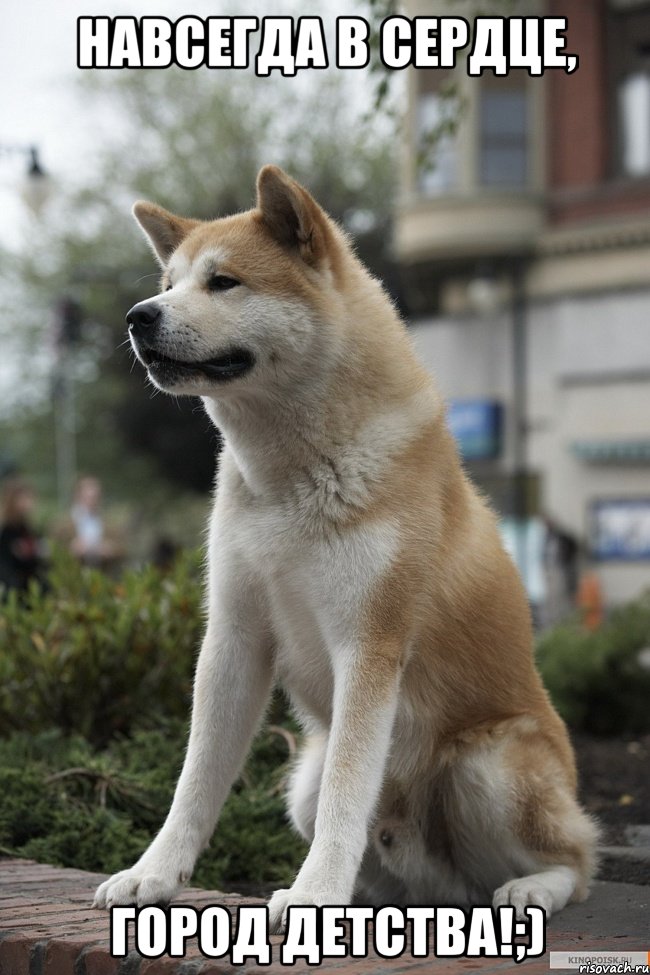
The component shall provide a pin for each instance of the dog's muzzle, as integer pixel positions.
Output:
(144, 320)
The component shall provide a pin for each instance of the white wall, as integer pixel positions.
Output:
(588, 379)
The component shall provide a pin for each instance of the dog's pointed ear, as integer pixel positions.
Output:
(291, 215)
(163, 230)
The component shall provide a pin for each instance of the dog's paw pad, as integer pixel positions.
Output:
(135, 887)
(521, 893)
(298, 896)
(278, 906)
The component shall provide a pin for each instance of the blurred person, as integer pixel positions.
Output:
(589, 600)
(164, 553)
(561, 551)
(21, 548)
(91, 542)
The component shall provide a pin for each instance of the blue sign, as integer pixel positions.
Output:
(477, 426)
(620, 529)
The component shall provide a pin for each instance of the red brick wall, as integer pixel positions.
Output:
(577, 103)
(581, 185)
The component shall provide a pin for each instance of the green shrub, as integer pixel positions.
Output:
(96, 656)
(95, 688)
(66, 803)
(596, 679)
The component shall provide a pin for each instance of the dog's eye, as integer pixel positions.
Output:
(169, 287)
(221, 282)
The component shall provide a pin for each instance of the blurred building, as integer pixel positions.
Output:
(526, 261)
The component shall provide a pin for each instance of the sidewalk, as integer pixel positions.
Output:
(47, 927)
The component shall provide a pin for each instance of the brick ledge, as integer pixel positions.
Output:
(47, 927)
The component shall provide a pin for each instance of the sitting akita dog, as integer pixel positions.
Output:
(351, 560)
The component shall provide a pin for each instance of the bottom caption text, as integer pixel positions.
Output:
(314, 933)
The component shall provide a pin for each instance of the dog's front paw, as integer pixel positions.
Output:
(521, 893)
(141, 885)
(299, 896)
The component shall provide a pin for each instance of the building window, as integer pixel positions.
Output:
(503, 134)
(634, 115)
(629, 60)
(437, 155)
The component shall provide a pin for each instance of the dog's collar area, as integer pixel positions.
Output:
(234, 362)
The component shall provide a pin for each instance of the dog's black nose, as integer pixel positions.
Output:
(143, 316)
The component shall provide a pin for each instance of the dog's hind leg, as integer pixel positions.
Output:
(561, 839)
(549, 825)
(501, 822)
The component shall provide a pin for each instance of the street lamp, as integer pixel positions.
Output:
(67, 334)
(37, 186)
(35, 192)
(484, 298)
(520, 412)
(67, 329)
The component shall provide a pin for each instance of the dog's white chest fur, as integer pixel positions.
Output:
(314, 583)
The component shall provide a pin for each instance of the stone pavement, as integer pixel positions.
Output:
(47, 927)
